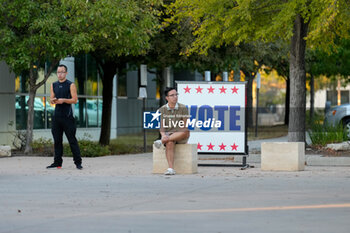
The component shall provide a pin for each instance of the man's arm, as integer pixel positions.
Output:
(52, 95)
(73, 93)
(161, 130)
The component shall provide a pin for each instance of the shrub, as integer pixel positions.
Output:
(122, 149)
(43, 146)
(88, 149)
(322, 134)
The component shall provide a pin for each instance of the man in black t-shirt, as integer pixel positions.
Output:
(63, 95)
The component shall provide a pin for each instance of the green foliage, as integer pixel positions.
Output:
(219, 22)
(129, 144)
(132, 144)
(88, 149)
(116, 27)
(332, 61)
(43, 146)
(323, 134)
(33, 32)
(119, 148)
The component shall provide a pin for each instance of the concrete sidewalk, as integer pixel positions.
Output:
(310, 159)
(120, 194)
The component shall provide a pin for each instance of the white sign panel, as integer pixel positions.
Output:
(258, 79)
(220, 107)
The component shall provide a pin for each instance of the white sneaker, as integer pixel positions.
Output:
(170, 171)
(158, 143)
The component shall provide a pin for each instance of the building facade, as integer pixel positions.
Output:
(127, 105)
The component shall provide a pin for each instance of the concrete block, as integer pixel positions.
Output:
(5, 151)
(339, 146)
(282, 156)
(185, 159)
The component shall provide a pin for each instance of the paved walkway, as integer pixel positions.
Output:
(119, 194)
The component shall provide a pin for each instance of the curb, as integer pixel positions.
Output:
(310, 160)
(319, 160)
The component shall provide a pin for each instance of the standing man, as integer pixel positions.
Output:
(173, 127)
(64, 94)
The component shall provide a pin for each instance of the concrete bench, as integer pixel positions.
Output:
(185, 159)
(282, 156)
(5, 151)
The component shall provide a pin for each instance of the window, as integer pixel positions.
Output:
(121, 81)
(332, 96)
(88, 110)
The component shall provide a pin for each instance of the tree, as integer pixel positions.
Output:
(218, 22)
(278, 61)
(31, 33)
(117, 29)
(334, 62)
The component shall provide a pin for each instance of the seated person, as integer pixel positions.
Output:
(173, 127)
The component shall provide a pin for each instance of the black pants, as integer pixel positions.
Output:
(66, 125)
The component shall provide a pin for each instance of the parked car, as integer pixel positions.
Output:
(339, 115)
(93, 112)
(39, 112)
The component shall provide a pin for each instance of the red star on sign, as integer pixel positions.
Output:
(211, 90)
(222, 146)
(199, 89)
(199, 146)
(187, 89)
(210, 147)
(234, 90)
(222, 89)
(234, 146)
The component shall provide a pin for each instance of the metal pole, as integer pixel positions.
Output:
(256, 112)
(144, 130)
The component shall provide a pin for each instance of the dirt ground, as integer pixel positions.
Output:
(326, 152)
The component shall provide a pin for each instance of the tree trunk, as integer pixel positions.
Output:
(30, 122)
(237, 74)
(109, 71)
(249, 78)
(312, 97)
(162, 86)
(30, 117)
(296, 128)
(33, 87)
(287, 103)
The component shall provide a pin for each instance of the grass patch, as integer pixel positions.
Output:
(88, 149)
(321, 134)
(265, 132)
(132, 144)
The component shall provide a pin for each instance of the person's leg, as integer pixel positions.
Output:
(179, 136)
(170, 140)
(169, 152)
(57, 133)
(70, 130)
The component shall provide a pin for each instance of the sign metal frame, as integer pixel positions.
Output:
(245, 153)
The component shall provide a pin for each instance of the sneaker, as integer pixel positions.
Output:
(79, 167)
(170, 172)
(54, 166)
(158, 143)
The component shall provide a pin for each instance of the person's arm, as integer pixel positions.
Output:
(164, 137)
(161, 130)
(52, 95)
(73, 93)
(185, 119)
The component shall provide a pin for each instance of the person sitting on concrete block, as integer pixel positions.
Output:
(173, 126)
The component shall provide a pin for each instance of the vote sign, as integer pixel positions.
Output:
(217, 115)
